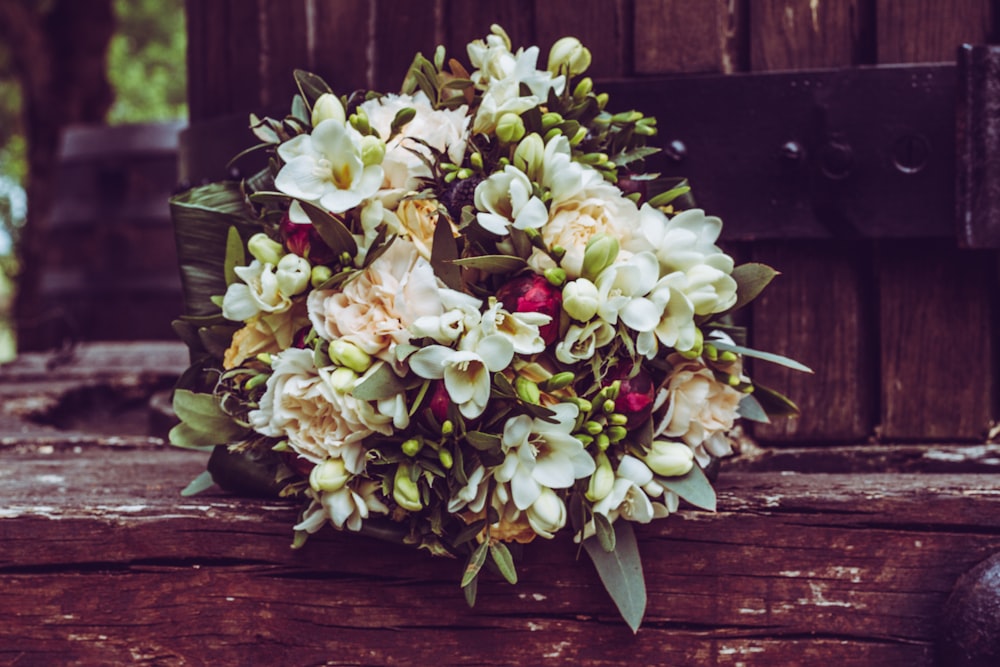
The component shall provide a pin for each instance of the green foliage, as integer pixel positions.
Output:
(147, 63)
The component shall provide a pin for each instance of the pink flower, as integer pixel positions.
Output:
(303, 240)
(635, 396)
(534, 294)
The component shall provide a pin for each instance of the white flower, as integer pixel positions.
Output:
(581, 341)
(258, 293)
(540, 454)
(292, 274)
(580, 299)
(622, 292)
(348, 507)
(299, 405)
(472, 496)
(326, 168)
(676, 328)
(505, 199)
(627, 497)
(547, 515)
(521, 329)
(699, 407)
(444, 130)
(466, 374)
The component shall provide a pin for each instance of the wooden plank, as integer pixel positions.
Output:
(400, 30)
(936, 313)
(817, 310)
(675, 36)
(101, 562)
(604, 26)
(340, 42)
(284, 35)
(467, 21)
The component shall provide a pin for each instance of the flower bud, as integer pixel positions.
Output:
(600, 253)
(528, 155)
(533, 294)
(669, 459)
(603, 479)
(696, 349)
(319, 275)
(527, 390)
(412, 446)
(447, 428)
(342, 380)
(439, 401)
(583, 88)
(327, 107)
(292, 275)
(557, 277)
(547, 514)
(345, 353)
(580, 299)
(510, 128)
(557, 381)
(616, 433)
(372, 150)
(405, 491)
(304, 241)
(264, 250)
(570, 55)
(551, 119)
(446, 459)
(330, 475)
(635, 396)
(592, 427)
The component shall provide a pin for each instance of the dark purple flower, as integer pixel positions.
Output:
(534, 294)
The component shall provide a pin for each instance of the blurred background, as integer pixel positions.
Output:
(92, 96)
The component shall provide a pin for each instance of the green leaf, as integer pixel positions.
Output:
(670, 195)
(331, 230)
(693, 487)
(475, 564)
(444, 252)
(750, 408)
(470, 591)
(237, 472)
(605, 532)
(203, 413)
(751, 279)
(482, 441)
(492, 263)
(639, 153)
(757, 354)
(379, 384)
(774, 403)
(504, 561)
(469, 532)
(185, 437)
(235, 255)
(311, 86)
(621, 573)
(202, 218)
(202, 482)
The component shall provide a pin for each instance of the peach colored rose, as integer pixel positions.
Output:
(699, 407)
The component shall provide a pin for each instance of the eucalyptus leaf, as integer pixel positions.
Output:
(238, 472)
(444, 252)
(469, 532)
(482, 441)
(751, 279)
(774, 403)
(311, 86)
(235, 255)
(492, 263)
(470, 590)
(202, 412)
(202, 482)
(693, 487)
(757, 354)
(379, 384)
(750, 408)
(639, 153)
(185, 437)
(476, 561)
(605, 532)
(504, 561)
(621, 573)
(331, 230)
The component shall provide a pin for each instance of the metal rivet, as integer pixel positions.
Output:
(836, 160)
(910, 153)
(792, 151)
(675, 150)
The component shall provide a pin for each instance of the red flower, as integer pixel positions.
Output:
(534, 294)
(440, 400)
(303, 240)
(635, 396)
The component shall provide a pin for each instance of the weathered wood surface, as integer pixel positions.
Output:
(101, 562)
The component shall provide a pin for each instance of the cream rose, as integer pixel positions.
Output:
(417, 219)
(698, 406)
(442, 129)
(374, 309)
(319, 422)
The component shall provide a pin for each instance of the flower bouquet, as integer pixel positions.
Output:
(463, 317)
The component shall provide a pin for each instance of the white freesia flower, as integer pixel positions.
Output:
(318, 422)
(292, 274)
(443, 130)
(547, 515)
(676, 328)
(258, 293)
(472, 496)
(540, 454)
(466, 374)
(627, 497)
(505, 200)
(580, 299)
(709, 290)
(326, 168)
(347, 507)
(521, 329)
(622, 293)
(581, 341)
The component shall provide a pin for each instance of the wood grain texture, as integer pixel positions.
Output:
(101, 562)
(674, 36)
(467, 21)
(400, 30)
(340, 42)
(937, 300)
(817, 311)
(604, 27)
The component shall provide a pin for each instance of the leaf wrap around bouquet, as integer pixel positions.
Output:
(463, 317)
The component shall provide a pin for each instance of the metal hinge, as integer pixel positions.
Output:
(865, 152)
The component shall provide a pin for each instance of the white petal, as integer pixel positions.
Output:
(430, 361)
(238, 305)
(634, 470)
(299, 178)
(533, 215)
(493, 223)
(496, 351)
(525, 491)
(641, 314)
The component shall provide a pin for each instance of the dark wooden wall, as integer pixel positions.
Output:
(899, 332)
